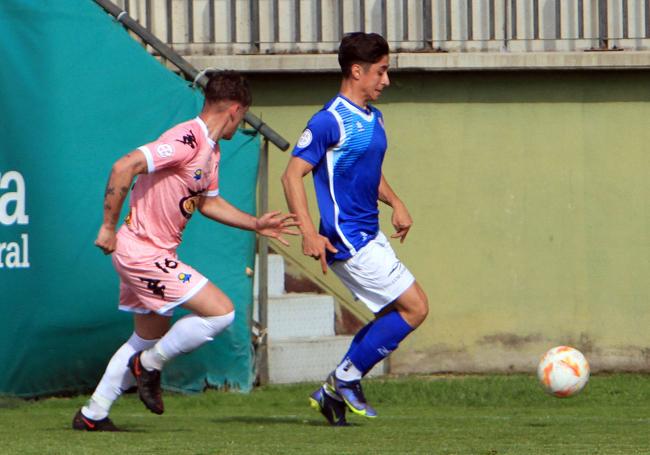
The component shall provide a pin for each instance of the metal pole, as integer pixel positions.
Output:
(536, 19)
(513, 14)
(646, 6)
(211, 34)
(470, 20)
(190, 21)
(384, 19)
(339, 10)
(263, 271)
(602, 24)
(581, 19)
(319, 20)
(558, 20)
(448, 19)
(233, 21)
(626, 31)
(296, 22)
(405, 20)
(190, 72)
(492, 21)
(276, 22)
(255, 25)
(505, 24)
(427, 24)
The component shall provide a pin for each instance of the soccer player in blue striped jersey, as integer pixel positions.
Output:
(343, 147)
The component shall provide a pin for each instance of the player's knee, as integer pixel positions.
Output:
(223, 307)
(216, 324)
(217, 307)
(424, 307)
(420, 308)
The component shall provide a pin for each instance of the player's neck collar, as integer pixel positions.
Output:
(204, 128)
(366, 113)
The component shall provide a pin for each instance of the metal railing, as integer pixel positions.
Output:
(308, 26)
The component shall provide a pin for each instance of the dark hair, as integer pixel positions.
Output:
(227, 85)
(360, 47)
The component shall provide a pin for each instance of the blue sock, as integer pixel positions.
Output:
(357, 339)
(383, 337)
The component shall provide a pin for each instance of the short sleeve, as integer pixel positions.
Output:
(322, 132)
(175, 147)
(213, 184)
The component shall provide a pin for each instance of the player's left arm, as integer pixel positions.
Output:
(401, 218)
(272, 224)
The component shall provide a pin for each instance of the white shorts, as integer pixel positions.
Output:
(374, 275)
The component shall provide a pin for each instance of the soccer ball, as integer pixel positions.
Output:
(563, 371)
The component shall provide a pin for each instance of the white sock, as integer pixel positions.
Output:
(117, 378)
(346, 371)
(186, 335)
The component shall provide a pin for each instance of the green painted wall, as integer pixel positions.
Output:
(529, 192)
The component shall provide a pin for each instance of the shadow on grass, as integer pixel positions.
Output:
(271, 420)
(11, 403)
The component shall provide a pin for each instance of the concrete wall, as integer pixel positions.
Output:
(530, 194)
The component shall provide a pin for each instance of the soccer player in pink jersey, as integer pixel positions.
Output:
(177, 174)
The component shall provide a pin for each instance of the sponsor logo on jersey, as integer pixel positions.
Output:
(360, 126)
(188, 139)
(165, 150)
(188, 203)
(305, 139)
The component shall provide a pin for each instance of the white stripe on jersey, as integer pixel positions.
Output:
(330, 172)
(351, 107)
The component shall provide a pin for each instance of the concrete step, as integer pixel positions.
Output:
(300, 315)
(275, 275)
(308, 359)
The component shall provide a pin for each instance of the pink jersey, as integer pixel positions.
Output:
(182, 165)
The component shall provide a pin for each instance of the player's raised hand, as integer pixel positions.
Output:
(274, 224)
(106, 239)
(402, 222)
(315, 245)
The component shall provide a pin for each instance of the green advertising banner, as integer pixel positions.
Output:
(76, 93)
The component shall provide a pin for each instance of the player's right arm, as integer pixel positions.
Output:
(313, 244)
(322, 132)
(117, 187)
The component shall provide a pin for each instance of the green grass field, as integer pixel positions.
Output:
(424, 415)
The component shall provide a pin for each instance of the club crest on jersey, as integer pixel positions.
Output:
(305, 139)
(198, 174)
(184, 277)
(165, 150)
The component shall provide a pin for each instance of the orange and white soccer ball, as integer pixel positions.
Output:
(563, 371)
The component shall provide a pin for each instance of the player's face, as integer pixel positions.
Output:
(236, 112)
(374, 78)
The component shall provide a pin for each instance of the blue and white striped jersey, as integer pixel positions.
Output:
(346, 145)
